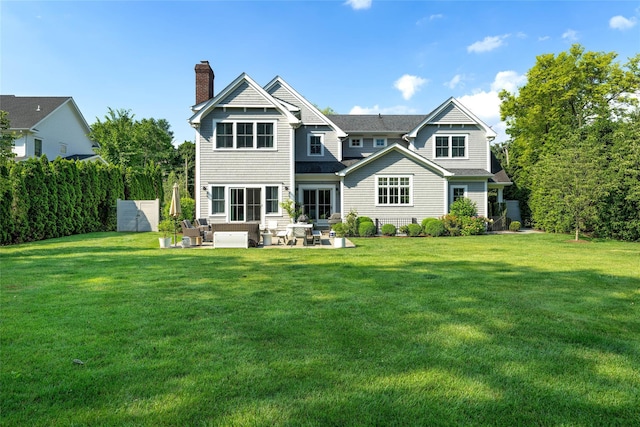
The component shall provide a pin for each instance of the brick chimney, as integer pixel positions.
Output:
(204, 82)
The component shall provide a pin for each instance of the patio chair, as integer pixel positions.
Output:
(202, 224)
(188, 230)
(284, 236)
(272, 227)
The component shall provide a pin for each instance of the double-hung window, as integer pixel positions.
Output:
(244, 138)
(450, 146)
(315, 147)
(393, 190)
(245, 135)
(271, 199)
(37, 147)
(217, 200)
(224, 135)
(265, 135)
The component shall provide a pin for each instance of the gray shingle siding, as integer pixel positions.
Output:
(476, 146)
(245, 95)
(270, 167)
(428, 189)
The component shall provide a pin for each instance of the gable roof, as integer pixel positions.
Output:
(433, 117)
(404, 151)
(26, 112)
(315, 111)
(376, 123)
(243, 78)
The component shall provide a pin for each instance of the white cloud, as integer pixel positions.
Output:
(455, 81)
(488, 44)
(359, 4)
(486, 105)
(509, 80)
(398, 109)
(423, 21)
(409, 85)
(621, 23)
(570, 35)
(544, 38)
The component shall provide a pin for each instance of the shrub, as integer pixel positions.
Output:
(463, 207)
(451, 224)
(339, 228)
(366, 229)
(433, 227)
(362, 219)
(414, 230)
(404, 229)
(351, 223)
(471, 226)
(514, 226)
(388, 230)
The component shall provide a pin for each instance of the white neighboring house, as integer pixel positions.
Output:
(48, 125)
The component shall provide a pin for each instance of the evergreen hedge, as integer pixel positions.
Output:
(40, 199)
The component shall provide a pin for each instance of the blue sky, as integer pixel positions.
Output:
(358, 56)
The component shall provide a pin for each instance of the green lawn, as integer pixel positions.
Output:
(504, 330)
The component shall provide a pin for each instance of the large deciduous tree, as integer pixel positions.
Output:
(568, 125)
(131, 143)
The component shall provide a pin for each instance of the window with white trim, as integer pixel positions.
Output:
(244, 138)
(315, 146)
(379, 142)
(450, 146)
(355, 142)
(217, 200)
(458, 192)
(245, 135)
(394, 190)
(244, 202)
(272, 199)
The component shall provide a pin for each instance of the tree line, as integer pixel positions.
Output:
(574, 148)
(40, 199)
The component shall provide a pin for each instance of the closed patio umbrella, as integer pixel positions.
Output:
(175, 210)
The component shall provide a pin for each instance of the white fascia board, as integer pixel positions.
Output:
(490, 133)
(244, 77)
(396, 147)
(324, 120)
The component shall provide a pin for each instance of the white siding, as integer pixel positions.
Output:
(63, 126)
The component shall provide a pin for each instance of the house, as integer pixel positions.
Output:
(257, 146)
(48, 125)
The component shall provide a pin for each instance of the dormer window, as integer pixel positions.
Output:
(379, 142)
(355, 142)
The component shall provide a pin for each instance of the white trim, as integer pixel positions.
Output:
(277, 79)
(449, 136)
(453, 187)
(312, 134)
(352, 143)
(331, 187)
(399, 176)
(379, 138)
(489, 132)
(445, 190)
(226, 214)
(216, 101)
(234, 131)
(397, 147)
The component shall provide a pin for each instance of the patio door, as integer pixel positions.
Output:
(317, 203)
(246, 204)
